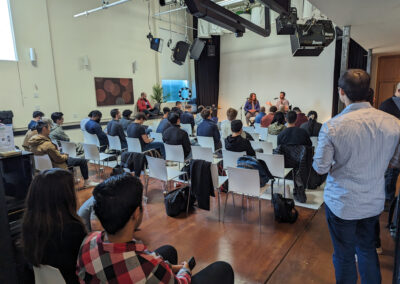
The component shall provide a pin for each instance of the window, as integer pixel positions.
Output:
(171, 89)
(7, 46)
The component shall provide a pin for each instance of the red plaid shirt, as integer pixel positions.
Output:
(103, 262)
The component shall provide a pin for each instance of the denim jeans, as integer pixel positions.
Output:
(391, 175)
(155, 145)
(350, 237)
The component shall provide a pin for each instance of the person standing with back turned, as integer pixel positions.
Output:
(355, 148)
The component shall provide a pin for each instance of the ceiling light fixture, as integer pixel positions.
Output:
(105, 5)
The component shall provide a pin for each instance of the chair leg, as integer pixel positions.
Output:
(219, 206)
(226, 200)
(146, 181)
(233, 198)
(187, 208)
(242, 202)
(259, 212)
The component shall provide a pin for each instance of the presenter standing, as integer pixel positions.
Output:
(252, 107)
(281, 102)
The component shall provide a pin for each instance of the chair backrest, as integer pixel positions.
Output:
(263, 131)
(314, 140)
(114, 143)
(245, 181)
(91, 152)
(207, 142)
(69, 148)
(202, 153)
(134, 145)
(174, 153)
(257, 127)
(273, 139)
(255, 136)
(90, 139)
(157, 168)
(42, 162)
(157, 136)
(264, 145)
(46, 274)
(230, 158)
(275, 163)
(187, 127)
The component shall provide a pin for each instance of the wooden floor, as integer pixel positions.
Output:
(281, 253)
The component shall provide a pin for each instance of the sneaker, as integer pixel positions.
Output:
(379, 250)
(88, 184)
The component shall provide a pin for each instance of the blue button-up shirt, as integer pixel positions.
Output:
(355, 148)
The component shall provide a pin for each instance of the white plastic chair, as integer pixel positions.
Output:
(157, 136)
(46, 274)
(247, 183)
(257, 127)
(207, 142)
(263, 131)
(202, 153)
(134, 145)
(174, 153)
(187, 127)
(255, 136)
(90, 139)
(314, 140)
(114, 143)
(42, 162)
(92, 154)
(249, 129)
(217, 182)
(264, 145)
(69, 148)
(223, 142)
(273, 139)
(276, 165)
(230, 158)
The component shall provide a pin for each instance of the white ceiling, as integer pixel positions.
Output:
(374, 23)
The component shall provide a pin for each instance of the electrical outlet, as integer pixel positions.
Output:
(35, 95)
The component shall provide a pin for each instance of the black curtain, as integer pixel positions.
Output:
(207, 71)
(357, 59)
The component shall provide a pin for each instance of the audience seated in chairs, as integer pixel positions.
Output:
(137, 130)
(267, 119)
(52, 232)
(235, 142)
(86, 119)
(164, 123)
(115, 128)
(116, 254)
(312, 126)
(198, 119)
(293, 135)
(32, 132)
(187, 117)
(301, 117)
(260, 115)
(174, 135)
(277, 124)
(126, 119)
(93, 127)
(178, 107)
(37, 116)
(225, 125)
(41, 144)
(209, 128)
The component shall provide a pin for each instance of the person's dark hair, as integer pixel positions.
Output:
(262, 109)
(236, 125)
(140, 116)
(114, 112)
(355, 84)
(37, 113)
(251, 94)
(174, 109)
(205, 113)
(370, 98)
(273, 109)
(291, 116)
(312, 120)
(96, 113)
(200, 108)
(188, 106)
(116, 199)
(56, 116)
(279, 117)
(50, 204)
(142, 94)
(282, 92)
(177, 103)
(127, 113)
(90, 114)
(296, 109)
(173, 117)
(40, 125)
(231, 113)
(166, 110)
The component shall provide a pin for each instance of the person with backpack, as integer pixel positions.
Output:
(235, 142)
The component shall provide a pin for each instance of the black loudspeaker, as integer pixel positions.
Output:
(211, 50)
(301, 50)
(197, 48)
(180, 51)
(6, 117)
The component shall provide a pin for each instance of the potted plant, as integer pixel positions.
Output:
(157, 95)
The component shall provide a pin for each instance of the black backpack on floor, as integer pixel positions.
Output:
(284, 209)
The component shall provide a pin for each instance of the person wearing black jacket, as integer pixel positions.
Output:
(392, 105)
(235, 142)
(312, 126)
(293, 135)
(174, 135)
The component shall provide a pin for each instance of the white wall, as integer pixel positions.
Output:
(266, 66)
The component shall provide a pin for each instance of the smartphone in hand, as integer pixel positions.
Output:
(192, 263)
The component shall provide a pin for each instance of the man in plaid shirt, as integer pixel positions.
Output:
(114, 256)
